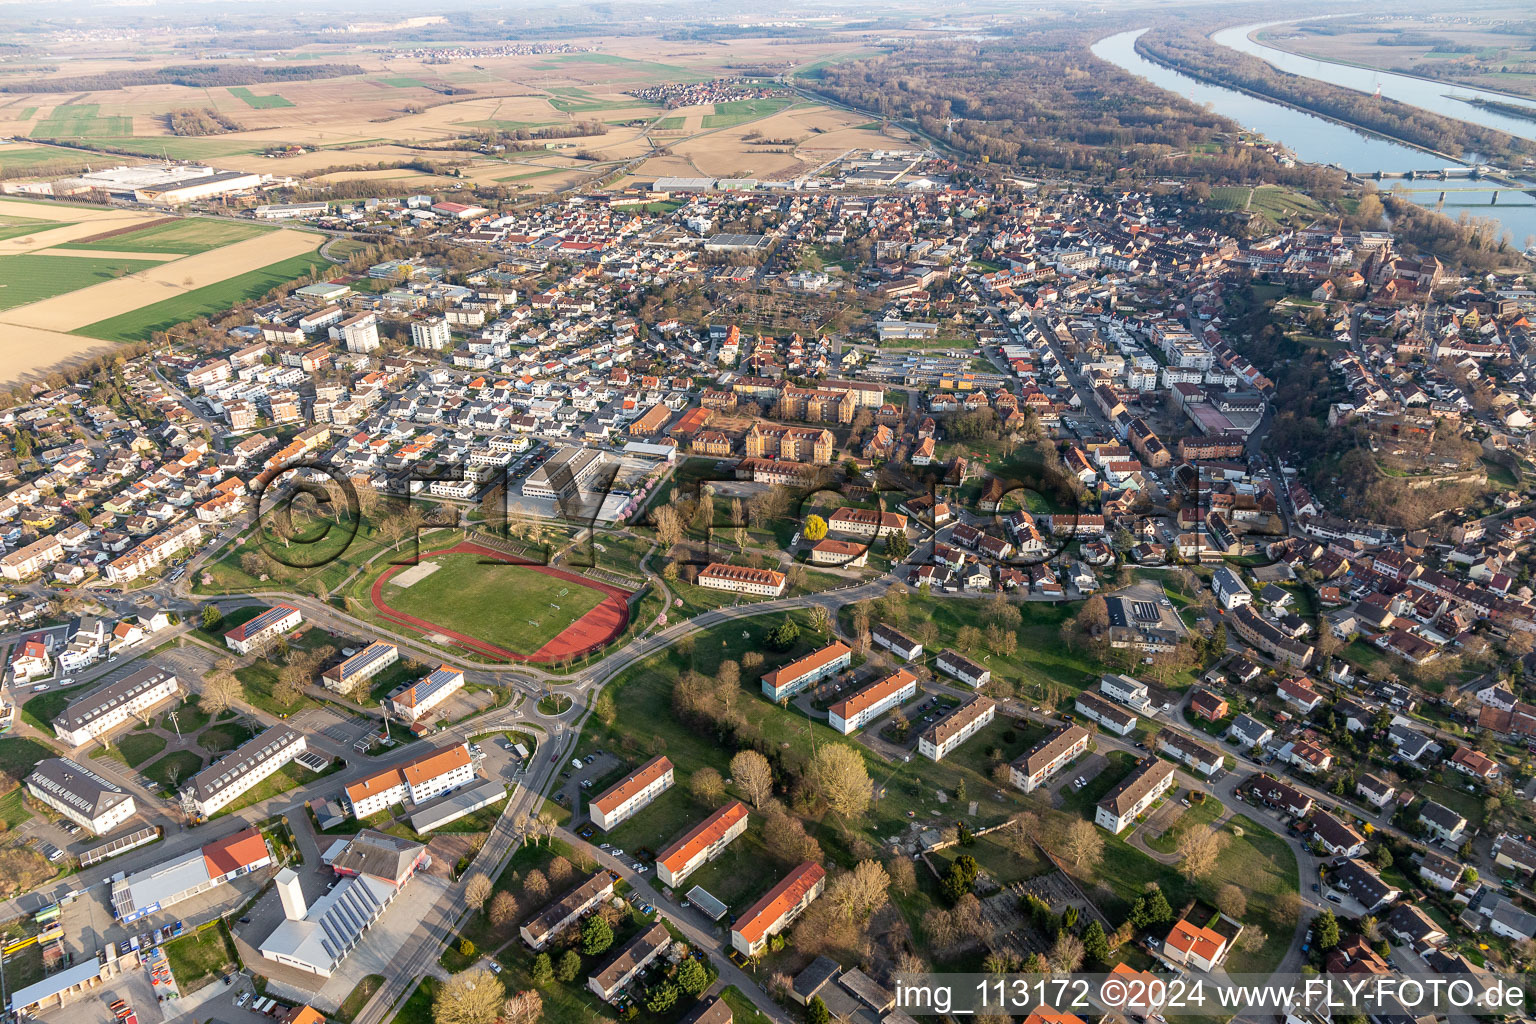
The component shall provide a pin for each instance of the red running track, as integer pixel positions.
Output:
(600, 626)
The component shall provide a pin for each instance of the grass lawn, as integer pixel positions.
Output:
(403, 82)
(742, 1010)
(289, 776)
(178, 764)
(358, 998)
(513, 607)
(227, 736)
(1196, 814)
(31, 277)
(184, 237)
(417, 1008)
(259, 678)
(214, 298)
(190, 717)
(138, 747)
(12, 810)
(18, 755)
(250, 99)
(197, 958)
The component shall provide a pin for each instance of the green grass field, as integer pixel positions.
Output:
(31, 277)
(667, 124)
(403, 82)
(250, 99)
(185, 237)
(728, 115)
(19, 227)
(215, 298)
(81, 121)
(38, 159)
(178, 765)
(505, 605)
(197, 957)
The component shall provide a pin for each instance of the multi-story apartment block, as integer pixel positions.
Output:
(154, 551)
(702, 844)
(814, 667)
(32, 559)
(97, 713)
(743, 579)
(778, 908)
(258, 758)
(79, 794)
(360, 333)
(609, 980)
(841, 553)
(866, 522)
(549, 922)
(949, 732)
(355, 671)
(817, 405)
(1150, 779)
(1109, 716)
(432, 334)
(418, 780)
(630, 794)
(1036, 766)
(872, 701)
(410, 701)
(960, 667)
(1193, 755)
(263, 629)
(797, 444)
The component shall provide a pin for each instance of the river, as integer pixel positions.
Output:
(1321, 141)
(1444, 98)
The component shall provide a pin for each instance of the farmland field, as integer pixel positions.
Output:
(404, 83)
(30, 277)
(180, 237)
(139, 323)
(23, 159)
(506, 605)
(729, 115)
(80, 121)
(258, 102)
(19, 227)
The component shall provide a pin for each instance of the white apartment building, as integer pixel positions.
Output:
(32, 559)
(1150, 779)
(812, 668)
(743, 579)
(432, 334)
(413, 700)
(154, 551)
(630, 794)
(949, 732)
(873, 701)
(258, 758)
(1109, 716)
(265, 627)
(702, 844)
(417, 780)
(79, 794)
(778, 908)
(1036, 766)
(549, 922)
(360, 667)
(608, 980)
(360, 333)
(964, 669)
(97, 713)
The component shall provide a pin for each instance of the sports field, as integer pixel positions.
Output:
(32, 277)
(512, 606)
(185, 237)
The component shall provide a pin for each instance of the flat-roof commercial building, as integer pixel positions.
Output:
(263, 629)
(567, 472)
(417, 780)
(949, 732)
(778, 908)
(743, 579)
(79, 794)
(607, 981)
(360, 667)
(701, 844)
(549, 922)
(456, 805)
(1150, 779)
(871, 702)
(97, 713)
(1038, 764)
(414, 699)
(74, 982)
(812, 668)
(164, 885)
(258, 758)
(629, 795)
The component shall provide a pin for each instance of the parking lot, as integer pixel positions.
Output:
(333, 724)
(578, 785)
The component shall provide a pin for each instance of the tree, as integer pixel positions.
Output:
(466, 947)
(959, 878)
(526, 1007)
(221, 690)
(1327, 929)
(663, 997)
(476, 891)
(669, 527)
(605, 709)
(860, 892)
(1199, 847)
(707, 785)
(543, 971)
(815, 528)
(1066, 953)
(785, 635)
(213, 618)
(470, 997)
(570, 966)
(692, 978)
(897, 547)
(1232, 901)
(1288, 906)
(785, 837)
(560, 871)
(1095, 944)
(1151, 908)
(1082, 842)
(837, 774)
(752, 773)
(903, 875)
(596, 935)
(503, 909)
(816, 1012)
(536, 886)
